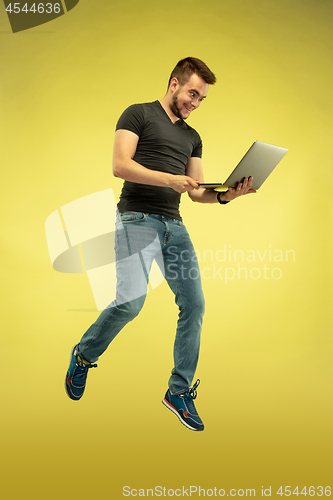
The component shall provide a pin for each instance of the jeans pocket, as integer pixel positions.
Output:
(126, 217)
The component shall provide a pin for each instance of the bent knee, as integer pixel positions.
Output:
(195, 308)
(132, 308)
(199, 306)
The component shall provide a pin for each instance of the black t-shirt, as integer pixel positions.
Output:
(162, 146)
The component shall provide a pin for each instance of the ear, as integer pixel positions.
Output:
(174, 84)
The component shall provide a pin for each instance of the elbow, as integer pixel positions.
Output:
(116, 169)
(119, 166)
(192, 196)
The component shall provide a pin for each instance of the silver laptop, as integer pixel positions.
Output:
(259, 161)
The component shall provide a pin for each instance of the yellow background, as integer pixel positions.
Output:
(266, 358)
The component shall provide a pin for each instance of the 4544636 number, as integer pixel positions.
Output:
(312, 491)
(36, 8)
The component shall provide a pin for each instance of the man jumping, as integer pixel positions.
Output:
(159, 157)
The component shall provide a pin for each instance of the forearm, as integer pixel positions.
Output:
(203, 195)
(130, 170)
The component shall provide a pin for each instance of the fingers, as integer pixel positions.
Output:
(249, 182)
(191, 184)
(194, 184)
(243, 187)
(185, 184)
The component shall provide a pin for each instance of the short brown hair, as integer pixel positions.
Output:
(185, 68)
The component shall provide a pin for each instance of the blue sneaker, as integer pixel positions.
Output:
(182, 405)
(77, 375)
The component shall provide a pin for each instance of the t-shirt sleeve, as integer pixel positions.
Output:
(197, 151)
(132, 119)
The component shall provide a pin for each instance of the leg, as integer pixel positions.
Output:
(136, 245)
(183, 276)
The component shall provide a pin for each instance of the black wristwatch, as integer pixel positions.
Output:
(219, 198)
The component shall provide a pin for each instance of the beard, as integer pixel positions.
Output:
(174, 106)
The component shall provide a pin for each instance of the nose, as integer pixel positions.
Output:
(195, 102)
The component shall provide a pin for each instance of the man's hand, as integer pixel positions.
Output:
(183, 183)
(242, 188)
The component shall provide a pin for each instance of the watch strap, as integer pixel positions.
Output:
(219, 198)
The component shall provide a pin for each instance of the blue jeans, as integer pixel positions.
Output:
(140, 239)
